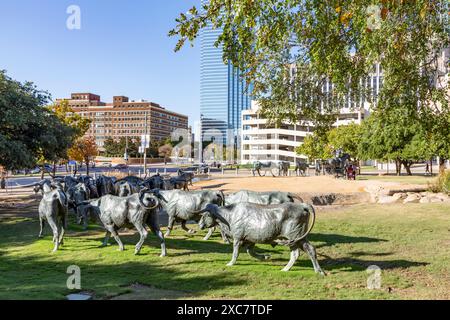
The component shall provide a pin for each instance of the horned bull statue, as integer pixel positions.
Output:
(269, 166)
(247, 224)
(53, 210)
(136, 211)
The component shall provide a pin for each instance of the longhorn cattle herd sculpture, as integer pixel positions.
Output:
(245, 218)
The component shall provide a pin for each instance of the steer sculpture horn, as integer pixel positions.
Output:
(213, 209)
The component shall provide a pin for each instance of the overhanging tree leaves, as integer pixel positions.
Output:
(28, 130)
(67, 115)
(332, 40)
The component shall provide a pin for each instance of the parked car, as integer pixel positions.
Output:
(106, 164)
(33, 171)
(120, 166)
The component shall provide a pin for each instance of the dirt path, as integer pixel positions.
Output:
(320, 184)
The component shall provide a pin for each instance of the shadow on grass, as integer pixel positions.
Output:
(47, 277)
(327, 240)
(33, 277)
(360, 265)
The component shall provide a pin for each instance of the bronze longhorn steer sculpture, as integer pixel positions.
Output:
(182, 206)
(53, 210)
(248, 224)
(124, 188)
(283, 168)
(189, 176)
(135, 211)
(76, 195)
(263, 198)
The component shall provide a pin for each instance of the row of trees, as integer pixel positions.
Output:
(34, 132)
(289, 50)
(392, 135)
(116, 148)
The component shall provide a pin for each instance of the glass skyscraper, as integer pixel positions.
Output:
(223, 93)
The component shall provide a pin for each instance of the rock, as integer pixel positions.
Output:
(425, 200)
(400, 196)
(412, 198)
(376, 192)
(387, 200)
(436, 200)
(442, 196)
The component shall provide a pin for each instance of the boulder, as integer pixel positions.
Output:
(412, 198)
(425, 200)
(400, 196)
(376, 192)
(436, 200)
(442, 196)
(387, 200)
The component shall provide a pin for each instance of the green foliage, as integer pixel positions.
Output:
(116, 148)
(316, 146)
(66, 114)
(325, 141)
(393, 134)
(442, 183)
(29, 131)
(328, 40)
(347, 138)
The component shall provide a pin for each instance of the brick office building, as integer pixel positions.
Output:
(123, 117)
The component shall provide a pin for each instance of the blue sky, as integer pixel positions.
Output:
(121, 49)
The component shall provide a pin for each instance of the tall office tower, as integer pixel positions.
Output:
(223, 93)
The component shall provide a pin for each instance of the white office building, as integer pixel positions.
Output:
(262, 141)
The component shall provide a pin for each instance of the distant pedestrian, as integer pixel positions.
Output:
(427, 169)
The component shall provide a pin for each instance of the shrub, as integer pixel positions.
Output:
(442, 183)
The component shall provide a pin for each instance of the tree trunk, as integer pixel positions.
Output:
(441, 165)
(398, 167)
(87, 166)
(407, 165)
(42, 172)
(431, 166)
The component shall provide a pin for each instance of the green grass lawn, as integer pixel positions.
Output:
(410, 243)
(424, 180)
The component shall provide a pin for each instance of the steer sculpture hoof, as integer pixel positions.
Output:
(192, 231)
(230, 264)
